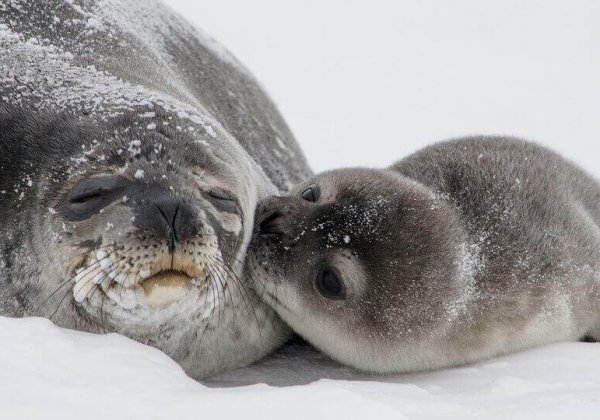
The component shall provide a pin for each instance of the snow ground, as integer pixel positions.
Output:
(394, 76)
(52, 373)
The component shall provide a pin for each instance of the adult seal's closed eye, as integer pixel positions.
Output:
(463, 251)
(133, 150)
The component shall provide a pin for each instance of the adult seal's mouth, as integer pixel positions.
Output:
(169, 286)
(154, 287)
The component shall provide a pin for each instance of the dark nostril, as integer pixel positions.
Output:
(269, 225)
(168, 217)
(168, 210)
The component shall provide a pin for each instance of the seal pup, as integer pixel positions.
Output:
(133, 150)
(465, 250)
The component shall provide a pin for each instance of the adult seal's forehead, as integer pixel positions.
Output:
(128, 101)
(108, 57)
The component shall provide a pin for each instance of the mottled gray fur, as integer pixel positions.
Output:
(465, 250)
(131, 96)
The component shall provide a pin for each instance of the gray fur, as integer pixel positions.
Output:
(131, 90)
(465, 250)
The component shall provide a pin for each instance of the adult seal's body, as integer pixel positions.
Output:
(465, 250)
(133, 150)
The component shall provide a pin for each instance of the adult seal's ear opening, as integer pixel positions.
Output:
(127, 197)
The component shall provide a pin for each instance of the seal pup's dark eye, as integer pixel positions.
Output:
(311, 193)
(329, 284)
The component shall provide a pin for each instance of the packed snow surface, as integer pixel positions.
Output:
(53, 373)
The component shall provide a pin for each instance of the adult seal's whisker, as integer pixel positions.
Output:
(126, 205)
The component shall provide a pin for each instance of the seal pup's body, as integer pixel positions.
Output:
(133, 150)
(465, 250)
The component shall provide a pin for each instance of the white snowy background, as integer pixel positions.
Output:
(360, 84)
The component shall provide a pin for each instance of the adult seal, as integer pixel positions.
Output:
(133, 152)
(465, 250)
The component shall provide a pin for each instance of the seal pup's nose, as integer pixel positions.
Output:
(269, 219)
(269, 225)
(168, 217)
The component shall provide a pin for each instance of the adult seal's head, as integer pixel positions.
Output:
(465, 250)
(134, 150)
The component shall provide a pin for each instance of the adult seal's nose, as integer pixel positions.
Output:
(167, 217)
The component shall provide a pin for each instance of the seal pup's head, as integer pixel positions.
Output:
(365, 264)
